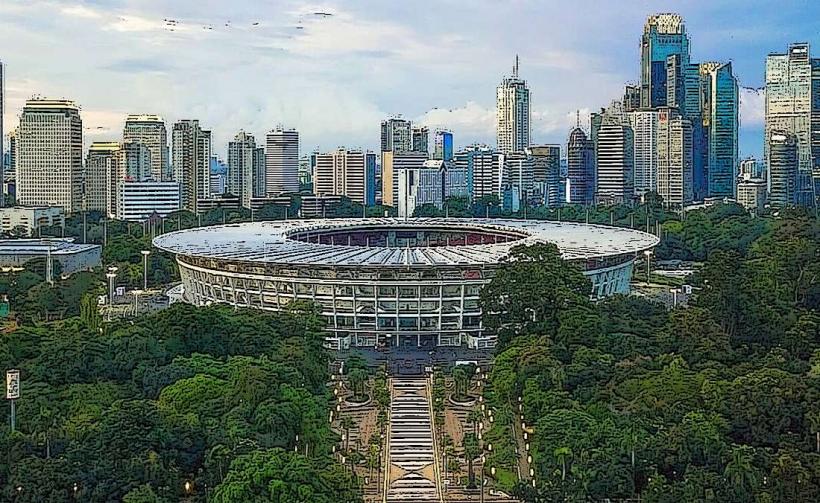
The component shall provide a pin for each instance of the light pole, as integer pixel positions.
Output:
(111, 274)
(145, 254)
(648, 254)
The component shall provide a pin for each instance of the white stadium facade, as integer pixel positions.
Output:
(386, 281)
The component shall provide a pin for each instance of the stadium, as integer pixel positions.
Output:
(386, 281)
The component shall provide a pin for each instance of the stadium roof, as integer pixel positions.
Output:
(274, 242)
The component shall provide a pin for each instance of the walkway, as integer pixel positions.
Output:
(413, 473)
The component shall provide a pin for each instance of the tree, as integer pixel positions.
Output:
(530, 290)
(471, 451)
(357, 379)
(741, 473)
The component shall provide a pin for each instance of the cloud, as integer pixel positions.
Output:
(752, 107)
(471, 119)
(80, 11)
(137, 65)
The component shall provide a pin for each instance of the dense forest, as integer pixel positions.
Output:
(188, 403)
(715, 401)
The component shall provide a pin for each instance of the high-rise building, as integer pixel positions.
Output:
(344, 172)
(512, 110)
(720, 109)
(580, 167)
(546, 173)
(192, 162)
(443, 149)
(396, 135)
(632, 98)
(752, 168)
(100, 169)
(50, 157)
(370, 178)
(134, 161)
(789, 110)
(392, 163)
(663, 35)
(675, 158)
(243, 163)
(150, 131)
(282, 162)
(517, 180)
(420, 139)
(645, 128)
(784, 165)
(485, 169)
(614, 155)
(419, 186)
(2, 131)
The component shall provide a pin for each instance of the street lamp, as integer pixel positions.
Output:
(145, 254)
(111, 274)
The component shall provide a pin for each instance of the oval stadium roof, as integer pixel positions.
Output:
(271, 242)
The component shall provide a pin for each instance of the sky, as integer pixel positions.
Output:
(333, 70)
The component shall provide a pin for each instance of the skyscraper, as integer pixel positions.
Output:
(150, 131)
(396, 135)
(546, 172)
(663, 35)
(192, 162)
(645, 128)
(344, 172)
(789, 110)
(50, 162)
(420, 138)
(675, 158)
(484, 167)
(100, 170)
(2, 131)
(517, 180)
(443, 149)
(720, 120)
(242, 162)
(512, 109)
(614, 155)
(580, 167)
(282, 162)
(392, 163)
(784, 161)
(632, 98)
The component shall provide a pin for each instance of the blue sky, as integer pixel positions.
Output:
(334, 77)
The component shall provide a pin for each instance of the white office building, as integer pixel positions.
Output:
(675, 159)
(513, 113)
(150, 131)
(645, 129)
(49, 159)
(140, 200)
(282, 162)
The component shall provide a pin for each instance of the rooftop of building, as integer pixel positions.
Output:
(290, 242)
(56, 246)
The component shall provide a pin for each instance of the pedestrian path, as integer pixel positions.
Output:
(412, 475)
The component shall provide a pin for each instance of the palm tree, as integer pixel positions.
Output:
(461, 379)
(347, 424)
(471, 451)
(357, 378)
(473, 418)
(562, 453)
(373, 451)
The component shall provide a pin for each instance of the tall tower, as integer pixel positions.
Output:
(100, 170)
(344, 173)
(242, 158)
(675, 163)
(645, 127)
(783, 154)
(282, 162)
(512, 99)
(396, 135)
(720, 119)
(443, 146)
(789, 110)
(50, 157)
(580, 167)
(192, 163)
(2, 131)
(664, 35)
(421, 136)
(150, 131)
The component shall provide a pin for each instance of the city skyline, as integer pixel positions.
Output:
(303, 68)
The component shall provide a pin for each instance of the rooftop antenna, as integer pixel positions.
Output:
(515, 68)
(577, 118)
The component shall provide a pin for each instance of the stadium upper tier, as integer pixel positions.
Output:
(391, 242)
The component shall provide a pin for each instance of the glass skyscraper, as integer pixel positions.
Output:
(664, 35)
(719, 97)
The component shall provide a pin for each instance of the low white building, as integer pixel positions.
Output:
(751, 193)
(139, 200)
(27, 219)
